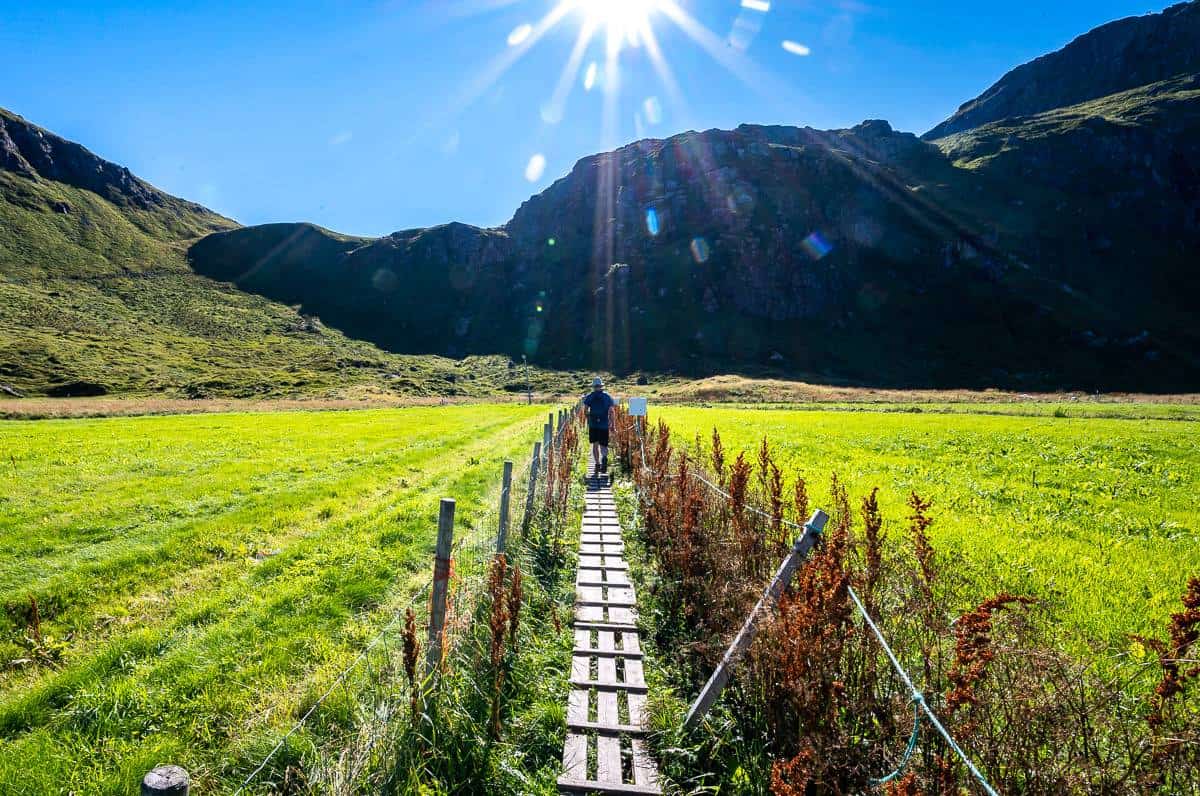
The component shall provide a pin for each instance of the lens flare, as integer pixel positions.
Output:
(815, 246)
(652, 222)
(699, 249)
(535, 167)
(519, 34)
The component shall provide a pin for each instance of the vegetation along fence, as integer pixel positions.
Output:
(818, 690)
(463, 570)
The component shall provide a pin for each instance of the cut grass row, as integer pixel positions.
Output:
(164, 635)
(1096, 517)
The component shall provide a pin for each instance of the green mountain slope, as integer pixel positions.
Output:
(1121, 55)
(96, 297)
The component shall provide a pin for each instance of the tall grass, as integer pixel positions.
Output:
(817, 707)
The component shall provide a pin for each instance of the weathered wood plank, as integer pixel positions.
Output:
(634, 673)
(645, 773)
(605, 653)
(591, 613)
(581, 667)
(602, 625)
(575, 756)
(611, 729)
(608, 758)
(591, 786)
(599, 686)
(637, 709)
(622, 616)
(577, 707)
(606, 670)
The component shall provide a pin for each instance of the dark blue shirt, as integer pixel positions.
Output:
(598, 403)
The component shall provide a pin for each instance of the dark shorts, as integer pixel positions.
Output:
(599, 435)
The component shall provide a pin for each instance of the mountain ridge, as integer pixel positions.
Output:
(1114, 57)
(1050, 249)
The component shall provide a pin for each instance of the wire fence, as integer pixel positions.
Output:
(916, 697)
(471, 557)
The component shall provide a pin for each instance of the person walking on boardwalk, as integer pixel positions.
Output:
(599, 405)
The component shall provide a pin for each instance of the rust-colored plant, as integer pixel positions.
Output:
(412, 648)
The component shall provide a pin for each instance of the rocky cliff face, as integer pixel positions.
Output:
(32, 152)
(1112, 58)
(864, 254)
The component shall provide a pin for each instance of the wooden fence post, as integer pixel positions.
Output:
(441, 578)
(741, 642)
(532, 488)
(166, 781)
(506, 487)
(546, 439)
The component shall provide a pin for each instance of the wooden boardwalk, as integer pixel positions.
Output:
(604, 751)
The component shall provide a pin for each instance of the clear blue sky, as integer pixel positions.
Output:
(370, 117)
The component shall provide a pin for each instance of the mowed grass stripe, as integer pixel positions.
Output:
(137, 572)
(1096, 517)
(61, 511)
(245, 649)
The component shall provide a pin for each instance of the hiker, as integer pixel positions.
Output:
(599, 405)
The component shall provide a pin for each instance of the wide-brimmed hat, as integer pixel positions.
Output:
(597, 383)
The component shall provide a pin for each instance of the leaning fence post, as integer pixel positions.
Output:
(531, 488)
(741, 642)
(441, 578)
(505, 489)
(166, 781)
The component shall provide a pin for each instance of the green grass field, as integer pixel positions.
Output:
(1097, 517)
(201, 579)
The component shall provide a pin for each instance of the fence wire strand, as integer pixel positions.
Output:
(917, 698)
(461, 552)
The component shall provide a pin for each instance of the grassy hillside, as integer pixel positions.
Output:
(98, 299)
(200, 580)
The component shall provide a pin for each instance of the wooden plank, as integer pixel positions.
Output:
(617, 594)
(571, 785)
(608, 757)
(634, 672)
(621, 616)
(610, 729)
(589, 594)
(581, 667)
(609, 603)
(599, 686)
(590, 613)
(606, 672)
(602, 625)
(637, 709)
(645, 772)
(575, 756)
(605, 653)
(605, 606)
(577, 707)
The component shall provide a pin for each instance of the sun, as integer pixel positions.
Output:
(623, 20)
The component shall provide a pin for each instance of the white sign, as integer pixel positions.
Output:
(637, 407)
